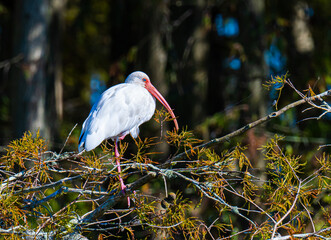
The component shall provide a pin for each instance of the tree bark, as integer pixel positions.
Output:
(157, 59)
(36, 95)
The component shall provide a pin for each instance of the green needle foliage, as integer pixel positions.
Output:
(221, 193)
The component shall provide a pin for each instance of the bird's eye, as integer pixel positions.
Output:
(144, 79)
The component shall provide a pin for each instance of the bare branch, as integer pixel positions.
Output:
(305, 235)
(248, 126)
(50, 185)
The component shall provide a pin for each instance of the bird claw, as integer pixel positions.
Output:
(123, 187)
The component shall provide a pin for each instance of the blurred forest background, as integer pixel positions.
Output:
(208, 58)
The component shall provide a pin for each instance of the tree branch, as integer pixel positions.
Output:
(240, 131)
(113, 199)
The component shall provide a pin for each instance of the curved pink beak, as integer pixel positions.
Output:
(161, 99)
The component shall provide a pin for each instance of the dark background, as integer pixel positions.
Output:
(208, 58)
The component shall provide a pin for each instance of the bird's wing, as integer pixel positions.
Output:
(119, 110)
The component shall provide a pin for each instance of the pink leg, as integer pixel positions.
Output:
(117, 156)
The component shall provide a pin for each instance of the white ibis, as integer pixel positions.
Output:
(119, 111)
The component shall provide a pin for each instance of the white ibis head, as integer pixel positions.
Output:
(120, 110)
(141, 78)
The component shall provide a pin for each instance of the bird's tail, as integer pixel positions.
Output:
(81, 142)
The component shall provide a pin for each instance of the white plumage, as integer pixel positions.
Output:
(119, 111)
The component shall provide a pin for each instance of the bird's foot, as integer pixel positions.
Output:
(123, 187)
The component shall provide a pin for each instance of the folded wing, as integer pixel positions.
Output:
(120, 110)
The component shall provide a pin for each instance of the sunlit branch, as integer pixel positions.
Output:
(214, 196)
(304, 235)
(11, 179)
(218, 177)
(50, 185)
(295, 199)
(65, 143)
(249, 126)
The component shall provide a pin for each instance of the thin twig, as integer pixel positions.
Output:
(295, 200)
(65, 143)
(247, 127)
(50, 185)
(305, 235)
